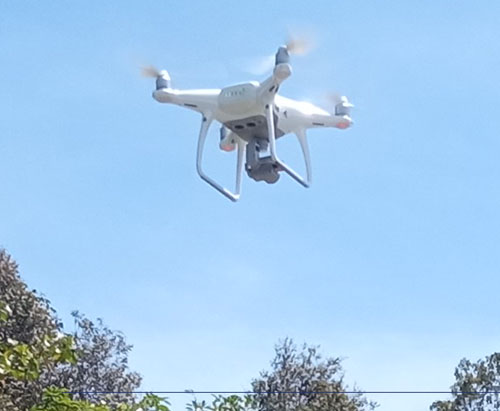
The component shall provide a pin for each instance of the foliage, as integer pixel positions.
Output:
(221, 403)
(297, 376)
(25, 362)
(58, 399)
(35, 354)
(37, 360)
(102, 364)
(30, 340)
(476, 386)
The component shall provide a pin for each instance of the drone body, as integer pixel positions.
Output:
(252, 116)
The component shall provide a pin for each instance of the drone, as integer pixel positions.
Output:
(252, 117)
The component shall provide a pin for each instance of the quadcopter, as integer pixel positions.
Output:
(252, 117)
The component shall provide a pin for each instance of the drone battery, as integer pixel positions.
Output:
(238, 99)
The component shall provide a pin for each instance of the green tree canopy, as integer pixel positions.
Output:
(296, 375)
(102, 365)
(58, 399)
(30, 340)
(35, 354)
(39, 364)
(476, 386)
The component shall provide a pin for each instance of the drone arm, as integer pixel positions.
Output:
(203, 100)
(331, 120)
(205, 125)
(270, 86)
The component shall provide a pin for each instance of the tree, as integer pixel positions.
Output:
(35, 354)
(30, 339)
(102, 365)
(57, 399)
(297, 375)
(476, 386)
(39, 364)
(221, 403)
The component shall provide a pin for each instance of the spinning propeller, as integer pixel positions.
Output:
(300, 45)
(296, 45)
(162, 76)
(341, 104)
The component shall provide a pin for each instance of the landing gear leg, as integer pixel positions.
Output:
(233, 196)
(272, 148)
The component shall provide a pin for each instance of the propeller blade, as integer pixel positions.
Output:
(334, 98)
(261, 66)
(341, 103)
(150, 71)
(300, 44)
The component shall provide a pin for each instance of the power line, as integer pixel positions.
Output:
(284, 392)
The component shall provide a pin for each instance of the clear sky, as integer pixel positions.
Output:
(391, 258)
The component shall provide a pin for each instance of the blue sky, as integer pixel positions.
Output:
(390, 260)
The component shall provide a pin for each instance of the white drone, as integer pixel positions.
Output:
(252, 117)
